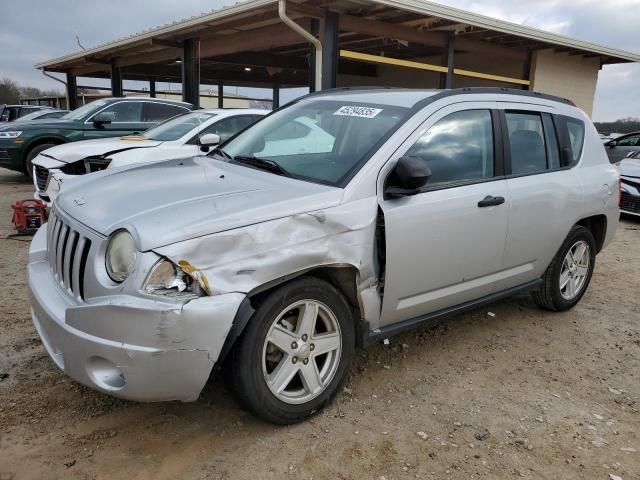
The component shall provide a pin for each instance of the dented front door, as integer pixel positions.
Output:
(445, 246)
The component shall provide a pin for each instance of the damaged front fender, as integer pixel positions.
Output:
(245, 259)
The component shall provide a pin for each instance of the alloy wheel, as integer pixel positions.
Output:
(301, 352)
(575, 270)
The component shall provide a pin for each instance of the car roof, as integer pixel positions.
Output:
(146, 99)
(234, 111)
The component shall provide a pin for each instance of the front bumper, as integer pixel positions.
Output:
(130, 347)
(10, 155)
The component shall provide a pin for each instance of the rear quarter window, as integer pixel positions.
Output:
(575, 136)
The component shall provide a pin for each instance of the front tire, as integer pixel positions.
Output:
(295, 352)
(567, 278)
(33, 153)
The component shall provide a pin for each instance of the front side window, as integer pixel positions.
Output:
(458, 148)
(125, 112)
(228, 127)
(324, 141)
(630, 141)
(85, 110)
(176, 128)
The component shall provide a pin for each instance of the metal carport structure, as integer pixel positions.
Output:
(340, 43)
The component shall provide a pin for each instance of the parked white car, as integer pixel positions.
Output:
(177, 137)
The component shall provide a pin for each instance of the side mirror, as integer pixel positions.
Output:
(612, 144)
(408, 177)
(104, 118)
(208, 140)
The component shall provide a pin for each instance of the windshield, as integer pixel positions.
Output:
(319, 140)
(80, 113)
(177, 127)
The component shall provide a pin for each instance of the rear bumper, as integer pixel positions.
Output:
(129, 347)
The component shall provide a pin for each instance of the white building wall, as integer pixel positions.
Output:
(569, 76)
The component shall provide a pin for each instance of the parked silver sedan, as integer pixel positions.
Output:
(275, 262)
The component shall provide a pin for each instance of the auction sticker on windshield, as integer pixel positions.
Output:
(362, 112)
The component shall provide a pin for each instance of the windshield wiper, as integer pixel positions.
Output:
(264, 164)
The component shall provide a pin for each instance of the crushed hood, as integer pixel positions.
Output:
(74, 151)
(630, 167)
(172, 201)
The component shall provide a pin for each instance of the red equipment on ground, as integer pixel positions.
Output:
(28, 216)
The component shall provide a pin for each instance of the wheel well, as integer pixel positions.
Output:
(343, 277)
(41, 141)
(597, 225)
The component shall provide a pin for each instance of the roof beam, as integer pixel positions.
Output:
(438, 39)
(165, 43)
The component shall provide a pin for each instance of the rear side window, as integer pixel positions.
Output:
(158, 112)
(526, 138)
(459, 147)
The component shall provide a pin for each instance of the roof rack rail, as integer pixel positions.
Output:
(503, 90)
(442, 93)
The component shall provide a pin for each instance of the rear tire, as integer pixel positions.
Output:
(313, 328)
(567, 278)
(33, 153)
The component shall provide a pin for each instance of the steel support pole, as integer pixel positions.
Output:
(116, 81)
(446, 79)
(329, 39)
(191, 71)
(72, 92)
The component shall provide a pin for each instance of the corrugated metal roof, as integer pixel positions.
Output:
(416, 6)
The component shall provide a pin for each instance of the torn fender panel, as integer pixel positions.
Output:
(243, 259)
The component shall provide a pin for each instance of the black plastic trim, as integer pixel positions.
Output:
(435, 317)
(498, 145)
(243, 315)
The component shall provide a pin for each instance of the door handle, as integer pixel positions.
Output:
(490, 201)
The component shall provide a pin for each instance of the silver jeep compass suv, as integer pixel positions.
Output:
(341, 219)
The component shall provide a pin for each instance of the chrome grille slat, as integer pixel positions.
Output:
(68, 256)
(51, 225)
(64, 230)
(68, 251)
(75, 269)
(54, 245)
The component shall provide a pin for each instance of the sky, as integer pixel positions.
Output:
(32, 31)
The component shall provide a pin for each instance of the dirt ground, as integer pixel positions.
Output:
(507, 391)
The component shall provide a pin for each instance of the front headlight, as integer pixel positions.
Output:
(121, 256)
(168, 279)
(11, 134)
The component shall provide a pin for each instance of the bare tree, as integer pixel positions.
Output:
(9, 91)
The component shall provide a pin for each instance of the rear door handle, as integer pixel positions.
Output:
(490, 201)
